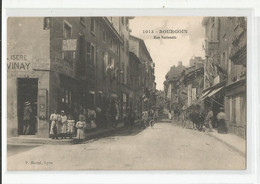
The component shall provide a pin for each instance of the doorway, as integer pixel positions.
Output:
(27, 96)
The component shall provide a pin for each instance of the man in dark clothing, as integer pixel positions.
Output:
(27, 118)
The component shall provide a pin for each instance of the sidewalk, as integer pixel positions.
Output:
(233, 141)
(31, 140)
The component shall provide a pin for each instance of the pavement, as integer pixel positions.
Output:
(166, 146)
(29, 140)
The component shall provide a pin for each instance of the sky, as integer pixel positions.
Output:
(167, 52)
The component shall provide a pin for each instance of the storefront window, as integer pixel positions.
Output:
(66, 97)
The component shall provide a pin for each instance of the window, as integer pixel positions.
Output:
(117, 49)
(223, 59)
(105, 62)
(82, 60)
(104, 36)
(66, 96)
(46, 23)
(233, 118)
(92, 25)
(99, 99)
(82, 21)
(67, 30)
(111, 44)
(123, 20)
(90, 54)
(127, 23)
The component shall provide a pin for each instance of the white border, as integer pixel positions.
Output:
(247, 176)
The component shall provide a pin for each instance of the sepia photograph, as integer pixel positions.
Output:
(126, 93)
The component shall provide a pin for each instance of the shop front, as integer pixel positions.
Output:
(27, 99)
(213, 98)
(235, 105)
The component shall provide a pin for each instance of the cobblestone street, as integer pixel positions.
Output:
(166, 146)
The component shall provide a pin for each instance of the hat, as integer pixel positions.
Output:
(27, 103)
(62, 111)
(221, 108)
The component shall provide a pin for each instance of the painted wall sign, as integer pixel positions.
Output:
(69, 44)
(25, 62)
(41, 63)
(19, 62)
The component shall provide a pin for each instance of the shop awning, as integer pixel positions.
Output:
(215, 91)
(204, 95)
(210, 92)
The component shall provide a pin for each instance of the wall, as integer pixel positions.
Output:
(26, 36)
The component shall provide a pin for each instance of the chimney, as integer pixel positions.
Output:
(180, 63)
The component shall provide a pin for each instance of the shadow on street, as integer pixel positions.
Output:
(15, 149)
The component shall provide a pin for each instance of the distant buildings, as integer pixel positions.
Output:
(220, 79)
(74, 63)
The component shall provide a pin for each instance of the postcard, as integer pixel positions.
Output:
(126, 93)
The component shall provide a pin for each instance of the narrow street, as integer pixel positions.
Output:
(166, 146)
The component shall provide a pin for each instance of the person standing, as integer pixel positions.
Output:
(209, 119)
(221, 116)
(27, 118)
(63, 121)
(183, 118)
(169, 115)
(81, 126)
(152, 119)
(54, 123)
(71, 124)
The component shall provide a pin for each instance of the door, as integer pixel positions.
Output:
(27, 96)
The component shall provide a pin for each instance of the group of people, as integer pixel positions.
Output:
(149, 117)
(175, 114)
(63, 125)
(201, 119)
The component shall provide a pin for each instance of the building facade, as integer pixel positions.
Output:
(147, 77)
(225, 69)
(73, 64)
(69, 63)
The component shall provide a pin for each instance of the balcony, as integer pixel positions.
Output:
(238, 51)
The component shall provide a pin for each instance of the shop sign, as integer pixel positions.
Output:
(69, 45)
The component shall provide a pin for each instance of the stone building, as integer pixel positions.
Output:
(126, 95)
(135, 82)
(171, 85)
(57, 63)
(147, 77)
(225, 69)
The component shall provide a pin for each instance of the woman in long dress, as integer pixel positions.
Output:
(81, 125)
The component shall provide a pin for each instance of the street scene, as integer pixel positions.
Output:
(126, 93)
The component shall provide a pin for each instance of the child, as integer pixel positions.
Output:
(81, 125)
(63, 124)
(71, 124)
